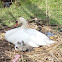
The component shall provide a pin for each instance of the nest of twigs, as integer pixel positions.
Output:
(52, 53)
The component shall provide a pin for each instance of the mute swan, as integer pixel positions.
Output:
(30, 36)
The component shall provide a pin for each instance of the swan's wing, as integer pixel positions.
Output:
(38, 37)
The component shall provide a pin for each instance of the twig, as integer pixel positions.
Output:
(22, 55)
(54, 57)
(52, 49)
(22, 58)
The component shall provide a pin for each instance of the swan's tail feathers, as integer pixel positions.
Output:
(50, 41)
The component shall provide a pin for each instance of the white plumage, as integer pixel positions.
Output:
(30, 36)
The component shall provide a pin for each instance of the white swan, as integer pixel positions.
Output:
(30, 36)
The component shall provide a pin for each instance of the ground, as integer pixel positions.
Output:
(52, 53)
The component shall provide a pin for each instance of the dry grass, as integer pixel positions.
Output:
(51, 53)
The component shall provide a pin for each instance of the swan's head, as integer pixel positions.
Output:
(20, 46)
(21, 21)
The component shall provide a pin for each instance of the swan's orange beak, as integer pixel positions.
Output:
(16, 23)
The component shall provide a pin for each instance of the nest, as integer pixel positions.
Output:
(51, 53)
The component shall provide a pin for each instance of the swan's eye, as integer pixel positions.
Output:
(21, 24)
(17, 47)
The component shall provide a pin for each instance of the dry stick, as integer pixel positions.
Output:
(46, 11)
(22, 56)
(55, 47)
(49, 14)
(52, 50)
(54, 56)
(46, 8)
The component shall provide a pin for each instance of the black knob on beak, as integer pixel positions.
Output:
(16, 21)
